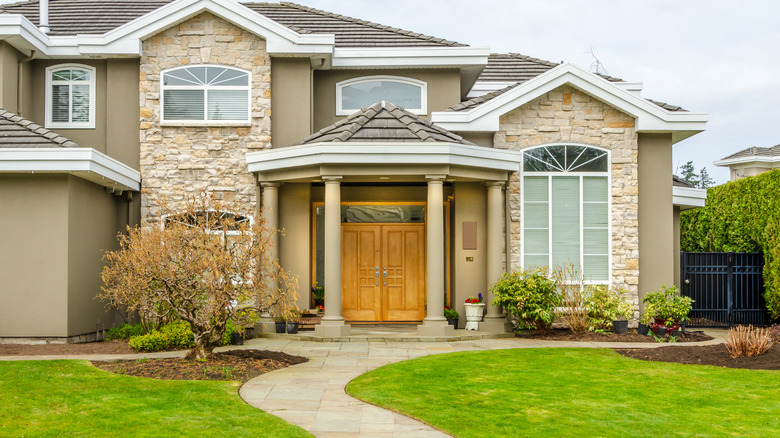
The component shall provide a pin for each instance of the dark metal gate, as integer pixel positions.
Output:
(727, 288)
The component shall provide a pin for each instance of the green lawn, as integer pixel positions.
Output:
(574, 392)
(73, 398)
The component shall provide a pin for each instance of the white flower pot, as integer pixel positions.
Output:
(473, 315)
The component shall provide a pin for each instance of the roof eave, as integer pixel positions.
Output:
(687, 197)
(764, 161)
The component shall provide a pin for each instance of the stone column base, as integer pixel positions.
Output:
(266, 324)
(495, 324)
(334, 328)
(435, 328)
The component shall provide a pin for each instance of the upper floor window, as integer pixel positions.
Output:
(566, 209)
(354, 94)
(206, 93)
(70, 96)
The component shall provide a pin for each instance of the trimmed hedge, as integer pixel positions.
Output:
(174, 336)
(740, 216)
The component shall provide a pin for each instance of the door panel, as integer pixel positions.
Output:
(360, 299)
(403, 255)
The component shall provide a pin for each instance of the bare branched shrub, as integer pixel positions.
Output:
(205, 265)
(748, 341)
(571, 285)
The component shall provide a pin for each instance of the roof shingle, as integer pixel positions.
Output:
(384, 121)
(754, 151)
(18, 132)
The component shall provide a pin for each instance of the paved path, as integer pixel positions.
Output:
(312, 395)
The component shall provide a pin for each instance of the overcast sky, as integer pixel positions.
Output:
(714, 56)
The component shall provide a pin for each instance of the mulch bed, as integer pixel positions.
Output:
(229, 365)
(716, 355)
(631, 336)
(112, 347)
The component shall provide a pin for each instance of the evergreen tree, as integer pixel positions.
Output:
(688, 173)
(705, 181)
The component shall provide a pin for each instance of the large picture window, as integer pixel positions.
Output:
(354, 94)
(206, 94)
(566, 209)
(70, 96)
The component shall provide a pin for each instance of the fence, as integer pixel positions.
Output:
(727, 288)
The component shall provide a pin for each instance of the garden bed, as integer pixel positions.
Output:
(109, 347)
(631, 336)
(716, 355)
(230, 365)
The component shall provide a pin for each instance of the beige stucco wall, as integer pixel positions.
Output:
(295, 221)
(567, 115)
(468, 277)
(291, 106)
(177, 161)
(33, 255)
(676, 245)
(9, 77)
(443, 89)
(122, 108)
(656, 216)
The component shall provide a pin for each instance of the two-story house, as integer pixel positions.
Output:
(407, 171)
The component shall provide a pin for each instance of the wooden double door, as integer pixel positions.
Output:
(383, 272)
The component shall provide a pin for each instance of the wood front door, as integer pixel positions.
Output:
(383, 272)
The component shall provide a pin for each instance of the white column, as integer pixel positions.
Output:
(270, 212)
(435, 324)
(494, 321)
(332, 324)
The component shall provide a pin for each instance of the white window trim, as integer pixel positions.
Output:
(70, 125)
(251, 220)
(524, 173)
(340, 111)
(247, 88)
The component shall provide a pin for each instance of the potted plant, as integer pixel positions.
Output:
(318, 295)
(293, 318)
(668, 308)
(644, 321)
(622, 313)
(279, 322)
(452, 316)
(474, 308)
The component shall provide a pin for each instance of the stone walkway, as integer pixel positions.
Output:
(312, 395)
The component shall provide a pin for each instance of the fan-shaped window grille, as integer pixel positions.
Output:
(206, 93)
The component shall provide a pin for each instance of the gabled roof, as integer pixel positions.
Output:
(384, 122)
(754, 151)
(91, 17)
(513, 67)
(679, 182)
(18, 132)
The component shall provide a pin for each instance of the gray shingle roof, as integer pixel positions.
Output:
(384, 121)
(679, 182)
(69, 17)
(18, 132)
(754, 151)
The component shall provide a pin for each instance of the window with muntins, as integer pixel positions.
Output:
(354, 94)
(206, 93)
(566, 209)
(70, 96)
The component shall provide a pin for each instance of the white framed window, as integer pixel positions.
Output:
(566, 209)
(70, 96)
(205, 95)
(354, 94)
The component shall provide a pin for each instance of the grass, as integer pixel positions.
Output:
(73, 398)
(574, 392)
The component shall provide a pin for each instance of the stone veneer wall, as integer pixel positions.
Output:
(177, 161)
(567, 115)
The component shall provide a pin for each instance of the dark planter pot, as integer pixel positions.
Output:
(660, 330)
(237, 338)
(676, 333)
(319, 303)
(620, 327)
(279, 326)
(643, 329)
(292, 328)
(453, 323)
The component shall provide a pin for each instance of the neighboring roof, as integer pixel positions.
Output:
(18, 132)
(384, 122)
(770, 152)
(679, 182)
(89, 17)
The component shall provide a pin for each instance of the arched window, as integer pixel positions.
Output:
(202, 94)
(70, 96)
(357, 93)
(566, 209)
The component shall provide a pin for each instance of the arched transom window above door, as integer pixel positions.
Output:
(566, 209)
(206, 94)
(354, 94)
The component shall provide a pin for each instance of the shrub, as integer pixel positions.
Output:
(667, 303)
(748, 341)
(571, 285)
(529, 295)
(179, 335)
(606, 305)
(152, 341)
(176, 336)
(124, 331)
(450, 313)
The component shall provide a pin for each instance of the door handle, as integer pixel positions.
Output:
(376, 274)
(385, 275)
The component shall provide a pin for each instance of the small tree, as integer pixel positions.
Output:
(204, 265)
(705, 181)
(688, 173)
